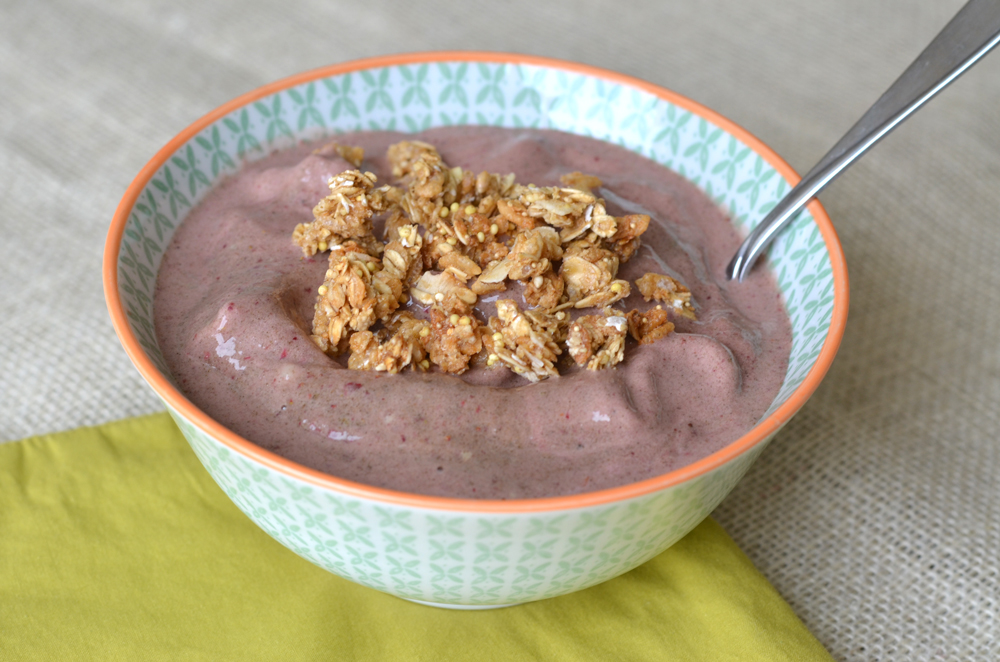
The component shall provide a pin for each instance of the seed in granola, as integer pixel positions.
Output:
(494, 228)
(464, 320)
(444, 212)
(469, 210)
(454, 318)
(481, 236)
(323, 289)
(452, 241)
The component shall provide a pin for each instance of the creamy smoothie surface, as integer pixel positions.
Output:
(234, 306)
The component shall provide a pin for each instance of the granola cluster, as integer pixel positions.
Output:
(452, 236)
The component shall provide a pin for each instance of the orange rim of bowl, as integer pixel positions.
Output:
(177, 401)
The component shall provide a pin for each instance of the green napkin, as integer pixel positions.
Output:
(115, 544)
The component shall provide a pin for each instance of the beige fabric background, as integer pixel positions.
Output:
(876, 512)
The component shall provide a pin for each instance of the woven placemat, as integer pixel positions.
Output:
(876, 512)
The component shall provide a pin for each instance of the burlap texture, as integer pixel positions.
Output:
(876, 512)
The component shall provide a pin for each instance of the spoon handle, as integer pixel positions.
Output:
(973, 31)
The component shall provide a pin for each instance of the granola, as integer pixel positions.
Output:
(530, 256)
(458, 264)
(453, 340)
(649, 326)
(384, 353)
(346, 213)
(347, 300)
(445, 290)
(442, 198)
(625, 241)
(589, 272)
(400, 266)
(544, 290)
(524, 341)
(581, 182)
(598, 340)
(669, 291)
(351, 154)
(514, 213)
(403, 155)
(451, 236)
(559, 207)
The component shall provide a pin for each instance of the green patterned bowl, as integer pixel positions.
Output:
(457, 552)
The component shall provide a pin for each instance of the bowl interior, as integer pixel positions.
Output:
(417, 92)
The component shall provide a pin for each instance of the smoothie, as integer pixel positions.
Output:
(235, 304)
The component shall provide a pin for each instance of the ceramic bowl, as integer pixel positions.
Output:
(457, 552)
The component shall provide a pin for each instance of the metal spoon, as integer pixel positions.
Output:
(973, 31)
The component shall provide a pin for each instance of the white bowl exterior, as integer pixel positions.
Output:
(461, 557)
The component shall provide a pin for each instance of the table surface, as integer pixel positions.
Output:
(875, 512)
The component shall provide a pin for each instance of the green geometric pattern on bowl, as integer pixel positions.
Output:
(519, 556)
(462, 558)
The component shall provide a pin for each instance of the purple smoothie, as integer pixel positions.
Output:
(234, 303)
